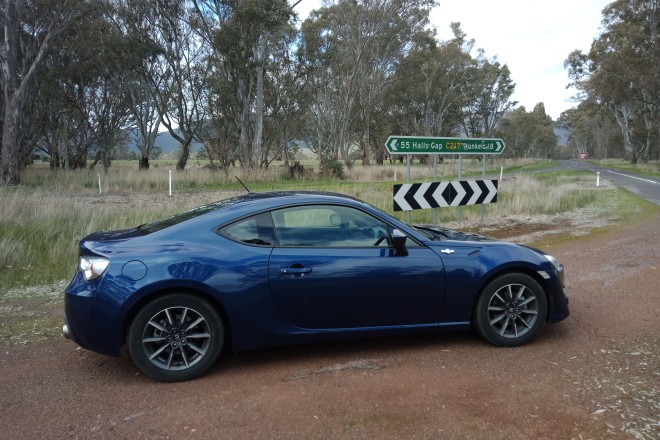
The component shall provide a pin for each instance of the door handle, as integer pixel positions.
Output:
(295, 270)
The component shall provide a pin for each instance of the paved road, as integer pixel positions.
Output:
(645, 187)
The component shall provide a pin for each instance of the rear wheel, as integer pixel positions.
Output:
(176, 337)
(511, 310)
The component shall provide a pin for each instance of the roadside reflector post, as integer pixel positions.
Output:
(598, 179)
(170, 179)
(99, 184)
(501, 172)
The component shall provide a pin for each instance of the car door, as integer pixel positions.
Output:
(334, 268)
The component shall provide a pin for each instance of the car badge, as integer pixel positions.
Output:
(447, 251)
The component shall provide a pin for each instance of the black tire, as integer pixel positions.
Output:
(511, 310)
(176, 337)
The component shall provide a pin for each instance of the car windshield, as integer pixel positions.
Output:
(183, 216)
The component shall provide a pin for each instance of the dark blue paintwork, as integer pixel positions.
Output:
(337, 292)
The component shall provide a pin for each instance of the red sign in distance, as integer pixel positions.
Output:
(582, 156)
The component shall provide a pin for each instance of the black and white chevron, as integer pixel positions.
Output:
(411, 196)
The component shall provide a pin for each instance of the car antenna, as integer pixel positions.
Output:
(239, 181)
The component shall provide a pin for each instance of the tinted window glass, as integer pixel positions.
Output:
(256, 230)
(328, 226)
(182, 216)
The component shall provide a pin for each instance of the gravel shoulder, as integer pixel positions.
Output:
(594, 375)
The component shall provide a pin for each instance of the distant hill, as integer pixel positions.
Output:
(562, 135)
(167, 143)
(164, 141)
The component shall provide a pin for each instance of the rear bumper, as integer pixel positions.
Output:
(65, 331)
(90, 320)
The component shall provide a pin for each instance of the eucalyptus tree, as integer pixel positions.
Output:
(593, 129)
(384, 33)
(67, 137)
(352, 49)
(181, 72)
(433, 85)
(29, 27)
(622, 72)
(318, 53)
(528, 134)
(74, 95)
(488, 96)
(93, 85)
(286, 97)
(240, 34)
(143, 61)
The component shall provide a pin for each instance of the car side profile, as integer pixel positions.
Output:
(275, 268)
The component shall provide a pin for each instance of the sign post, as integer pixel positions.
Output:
(409, 145)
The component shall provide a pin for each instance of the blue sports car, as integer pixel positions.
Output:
(274, 268)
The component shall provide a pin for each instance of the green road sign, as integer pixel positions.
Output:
(433, 145)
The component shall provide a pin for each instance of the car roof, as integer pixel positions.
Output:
(273, 199)
(293, 194)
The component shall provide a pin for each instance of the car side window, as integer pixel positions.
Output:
(255, 230)
(328, 226)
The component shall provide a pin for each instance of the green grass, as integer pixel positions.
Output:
(39, 232)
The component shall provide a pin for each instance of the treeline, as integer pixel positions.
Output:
(248, 80)
(619, 84)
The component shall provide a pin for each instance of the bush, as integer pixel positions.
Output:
(333, 169)
(297, 170)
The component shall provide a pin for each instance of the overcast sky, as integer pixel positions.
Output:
(532, 37)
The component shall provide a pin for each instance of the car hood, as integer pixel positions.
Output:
(452, 234)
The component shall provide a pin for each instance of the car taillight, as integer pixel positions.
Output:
(92, 267)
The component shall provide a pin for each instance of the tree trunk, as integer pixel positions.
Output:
(144, 162)
(10, 165)
(11, 95)
(244, 97)
(365, 146)
(185, 154)
(15, 83)
(260, 54)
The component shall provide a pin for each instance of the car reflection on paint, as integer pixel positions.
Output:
(276, 268)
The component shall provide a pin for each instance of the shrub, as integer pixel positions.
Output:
(333, 169)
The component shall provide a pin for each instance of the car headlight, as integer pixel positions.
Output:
(554, 262)
(92, 267)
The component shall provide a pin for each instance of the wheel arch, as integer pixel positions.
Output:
(200, 293)
(525, 270)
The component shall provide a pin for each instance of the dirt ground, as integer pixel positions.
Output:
(595, 375)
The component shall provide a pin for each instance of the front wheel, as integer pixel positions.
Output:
(176, 337)
(511, 310)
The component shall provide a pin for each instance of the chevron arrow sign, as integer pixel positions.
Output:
(412, 196)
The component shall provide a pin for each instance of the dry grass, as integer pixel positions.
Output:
(42, 220)
(124, 177)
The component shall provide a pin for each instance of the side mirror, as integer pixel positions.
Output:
(399, 243)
